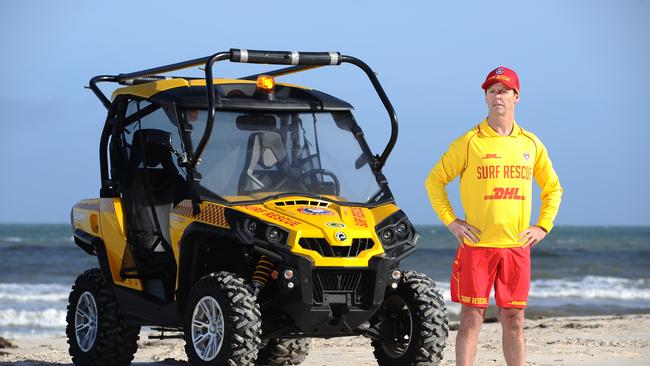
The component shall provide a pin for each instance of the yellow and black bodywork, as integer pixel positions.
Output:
(320, 263)
(336, 257)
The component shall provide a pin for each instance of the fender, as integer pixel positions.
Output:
(94, 245)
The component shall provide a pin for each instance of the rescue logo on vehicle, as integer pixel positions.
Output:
(340, 236)
(358, 216)
(315, 211)
(335, 224)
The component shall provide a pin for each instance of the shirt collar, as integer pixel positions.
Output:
(486, 130)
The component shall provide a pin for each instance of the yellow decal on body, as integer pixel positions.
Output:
(273, 215)
(358, 217)
(210, 213)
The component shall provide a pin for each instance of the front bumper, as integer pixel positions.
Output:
(334, 301)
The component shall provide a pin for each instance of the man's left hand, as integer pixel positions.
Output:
(532, 236)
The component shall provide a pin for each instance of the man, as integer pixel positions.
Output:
(496, 162)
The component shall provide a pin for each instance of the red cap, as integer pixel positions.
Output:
(502, 75)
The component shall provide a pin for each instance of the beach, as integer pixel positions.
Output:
(581, 277)
(596, 340)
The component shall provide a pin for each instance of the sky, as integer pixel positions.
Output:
(583, 66)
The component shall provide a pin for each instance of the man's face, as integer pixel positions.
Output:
(501, 99)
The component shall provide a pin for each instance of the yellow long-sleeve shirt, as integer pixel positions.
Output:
(496, 175)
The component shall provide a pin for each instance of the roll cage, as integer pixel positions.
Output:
(301, 61)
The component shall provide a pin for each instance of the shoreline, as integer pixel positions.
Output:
(593, 340)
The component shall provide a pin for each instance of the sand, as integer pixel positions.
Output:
(602, 340)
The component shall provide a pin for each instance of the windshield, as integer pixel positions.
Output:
(254, 155)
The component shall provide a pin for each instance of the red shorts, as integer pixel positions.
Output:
(475, 270)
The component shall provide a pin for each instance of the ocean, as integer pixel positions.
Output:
(576, 271)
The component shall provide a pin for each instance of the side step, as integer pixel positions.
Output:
(162, 335)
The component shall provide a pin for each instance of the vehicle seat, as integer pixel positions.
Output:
(266, 166)
(152, 189)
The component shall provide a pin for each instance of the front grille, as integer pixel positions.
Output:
(323, 248)
(354, 283)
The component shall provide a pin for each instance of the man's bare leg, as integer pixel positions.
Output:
(467, 337)
(513, 341)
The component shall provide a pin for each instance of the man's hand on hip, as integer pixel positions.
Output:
(532, 236)
(463, 230)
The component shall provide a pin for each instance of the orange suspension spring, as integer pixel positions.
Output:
(262, 272)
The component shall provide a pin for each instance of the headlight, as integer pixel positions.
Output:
(387, 236)
(395, 230)
(402, 228)
(251, 226)
(274, 235)
(251, 230)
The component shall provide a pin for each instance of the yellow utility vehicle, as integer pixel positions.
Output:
(245, 216)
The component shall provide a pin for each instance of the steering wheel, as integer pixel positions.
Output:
(302, 179)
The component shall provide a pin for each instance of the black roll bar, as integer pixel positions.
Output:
(162, 69)
(300, 61)
(384, 99)
(92, 85)
(212, 96)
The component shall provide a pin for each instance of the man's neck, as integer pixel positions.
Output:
(501, 124)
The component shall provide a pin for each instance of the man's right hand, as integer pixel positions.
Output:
(463, 230)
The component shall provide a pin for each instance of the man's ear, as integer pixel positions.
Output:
(516, 97)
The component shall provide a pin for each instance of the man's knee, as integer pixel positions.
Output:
(471, 318)
(512, 319)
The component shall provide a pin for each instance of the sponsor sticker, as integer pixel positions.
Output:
(340, 236)
(335, 224)
(315, 211)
